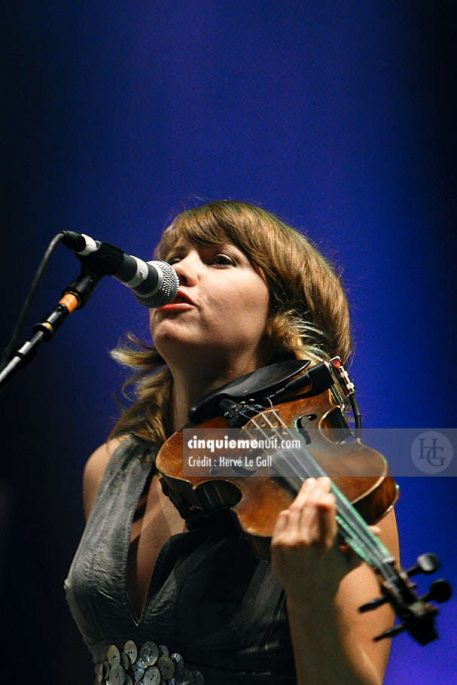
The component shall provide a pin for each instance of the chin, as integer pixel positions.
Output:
(168, 340)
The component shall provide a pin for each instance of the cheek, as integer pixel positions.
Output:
(260, 296)
(253, 306)
(248, 299)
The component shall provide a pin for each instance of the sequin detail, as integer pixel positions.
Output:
(150, 664)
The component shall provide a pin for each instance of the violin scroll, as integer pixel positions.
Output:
(416, 614)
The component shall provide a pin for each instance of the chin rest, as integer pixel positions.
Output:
(264, 382)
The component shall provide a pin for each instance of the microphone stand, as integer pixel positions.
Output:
(74, 296)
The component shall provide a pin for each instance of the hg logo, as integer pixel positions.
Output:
(432, 452)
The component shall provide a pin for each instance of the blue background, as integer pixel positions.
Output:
(339, 117)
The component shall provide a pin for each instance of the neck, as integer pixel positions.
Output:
(191, 384)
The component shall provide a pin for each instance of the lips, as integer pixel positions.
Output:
(181, 296)
(181, 302)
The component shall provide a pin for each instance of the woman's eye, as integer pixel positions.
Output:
(224, 260)
(220, 259)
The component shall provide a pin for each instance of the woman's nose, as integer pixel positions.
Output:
(187, 269)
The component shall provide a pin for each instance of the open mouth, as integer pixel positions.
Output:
(182, 298)
(181, 302)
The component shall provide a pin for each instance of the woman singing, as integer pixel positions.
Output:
(164, 596)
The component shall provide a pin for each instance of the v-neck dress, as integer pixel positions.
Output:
(210, 599)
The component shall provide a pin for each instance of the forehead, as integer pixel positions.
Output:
(176, 236)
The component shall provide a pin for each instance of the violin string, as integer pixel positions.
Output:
(354, 528)
(348, 518)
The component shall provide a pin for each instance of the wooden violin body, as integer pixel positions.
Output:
(256, 500)
(311, 406)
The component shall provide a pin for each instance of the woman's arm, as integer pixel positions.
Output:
(324, 586)
(93, 472)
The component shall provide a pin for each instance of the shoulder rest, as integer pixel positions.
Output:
(262, 382)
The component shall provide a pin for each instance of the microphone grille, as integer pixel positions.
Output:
(167, 286)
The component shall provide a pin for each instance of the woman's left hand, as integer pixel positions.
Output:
(325, 583)
(305, 552)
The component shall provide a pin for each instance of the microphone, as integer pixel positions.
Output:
(153, 283)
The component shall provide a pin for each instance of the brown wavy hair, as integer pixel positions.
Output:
(308, 318)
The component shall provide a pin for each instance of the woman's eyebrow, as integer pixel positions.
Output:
(178, 247)
(226, 244)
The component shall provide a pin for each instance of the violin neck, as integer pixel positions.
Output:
(358, 535)
(352, 527)
(294, 466)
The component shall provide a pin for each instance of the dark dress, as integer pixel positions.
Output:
(210, 599)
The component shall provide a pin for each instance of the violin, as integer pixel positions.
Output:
(290, 404)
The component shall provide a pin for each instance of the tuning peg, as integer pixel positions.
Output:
(440, 591)
(426, 563)
(391, 632)
(374, 604)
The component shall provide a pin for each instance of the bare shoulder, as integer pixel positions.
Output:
(94, 471)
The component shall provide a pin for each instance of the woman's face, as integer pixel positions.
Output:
(220, 311)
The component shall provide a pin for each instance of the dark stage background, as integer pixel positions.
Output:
(116, 115)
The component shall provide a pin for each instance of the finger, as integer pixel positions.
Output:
(281, 523)
(314, 495)
(303, 493)
(326, 520)
(310, 491)
(309, 525)
(319, 489)
(287, 522)
(286, 532)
